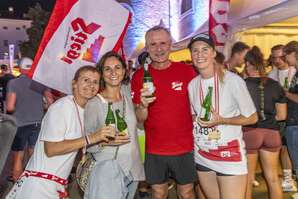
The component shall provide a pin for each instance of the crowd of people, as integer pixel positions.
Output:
(207, 124)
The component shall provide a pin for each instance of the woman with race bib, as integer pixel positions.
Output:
(221, 104)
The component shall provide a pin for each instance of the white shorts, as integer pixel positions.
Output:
(35, 188)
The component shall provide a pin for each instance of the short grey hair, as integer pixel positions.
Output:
(158, 28)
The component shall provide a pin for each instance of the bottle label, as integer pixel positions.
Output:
(203, 112)
(150, 86)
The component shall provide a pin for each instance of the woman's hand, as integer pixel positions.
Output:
(118, 140)
(216, 120)
(103, 134)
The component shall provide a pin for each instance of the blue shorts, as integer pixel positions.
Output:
(26, 135)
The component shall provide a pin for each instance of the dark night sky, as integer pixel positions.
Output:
(21, 6)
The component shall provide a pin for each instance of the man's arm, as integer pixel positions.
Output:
(291, 96)
(11, 99)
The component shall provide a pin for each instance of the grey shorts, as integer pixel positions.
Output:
(181, 168)
(26, 135)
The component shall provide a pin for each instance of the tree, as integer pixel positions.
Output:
(39, 19)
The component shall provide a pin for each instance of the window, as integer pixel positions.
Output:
(186, 5)
(18, 28)
(24, 27)
(5, 42)
(5, 27)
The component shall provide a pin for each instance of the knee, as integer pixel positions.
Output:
(159, 194)
(187, 193)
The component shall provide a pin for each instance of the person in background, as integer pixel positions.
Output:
(25, 102)
(263, 138)
(114, 90)
(283, 73)
(60, 138)
(239, 50)
(219, 148)
(5, 76)
(166, 117)
(291, 56)
(281, 69)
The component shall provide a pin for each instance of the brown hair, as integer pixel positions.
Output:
(84, 69)
(239, 47)
(103, 59)
(290, 47)
(256, 58)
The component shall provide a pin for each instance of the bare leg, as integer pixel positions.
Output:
(235, 183)
(199, 192)
(17, 167)
(186, 191)
(252, 164)
(160, 191)
(209, 185)
(269, 161)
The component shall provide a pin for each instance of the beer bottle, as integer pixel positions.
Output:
(147, 79)
(110, 118)
(121, 124)
(286, 83)
(205, 114)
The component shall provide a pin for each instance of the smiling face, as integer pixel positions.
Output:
(86, 86)
(113, 72)
(202, 55)
(158, 45)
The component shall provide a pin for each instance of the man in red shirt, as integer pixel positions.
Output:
(167, 118)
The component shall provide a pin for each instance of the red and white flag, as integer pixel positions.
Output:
(218, 22)
(78, 33)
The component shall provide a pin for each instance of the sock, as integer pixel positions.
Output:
(287, 173)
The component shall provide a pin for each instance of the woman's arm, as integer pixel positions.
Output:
(67, 146)
(292, 96)
(238, 120)
(281, 111)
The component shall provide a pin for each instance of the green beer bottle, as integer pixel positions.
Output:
(121, 124)
(286, 83)
(110, 118)
(147, 79)
(206, 106)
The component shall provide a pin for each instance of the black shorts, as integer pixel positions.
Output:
(26, 135)
(202, 168)
(181, 168)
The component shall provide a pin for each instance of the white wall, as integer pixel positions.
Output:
(12, 31)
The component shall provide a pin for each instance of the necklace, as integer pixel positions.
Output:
(80, 122)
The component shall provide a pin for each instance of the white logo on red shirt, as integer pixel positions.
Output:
(177, 86)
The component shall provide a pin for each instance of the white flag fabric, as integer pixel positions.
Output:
(218, 22)
(79, 32)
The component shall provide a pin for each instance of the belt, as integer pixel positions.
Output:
(46, 176)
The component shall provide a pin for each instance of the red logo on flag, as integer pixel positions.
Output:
(79, 38)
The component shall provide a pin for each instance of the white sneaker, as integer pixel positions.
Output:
(289, 186)
(255, 183)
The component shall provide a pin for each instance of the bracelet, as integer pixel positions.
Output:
(87, 139)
